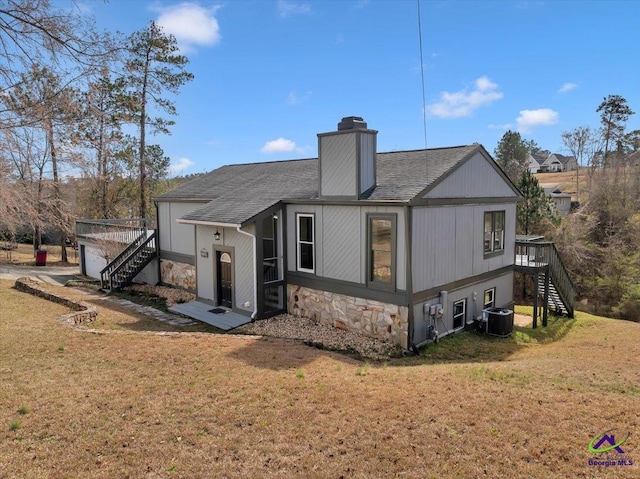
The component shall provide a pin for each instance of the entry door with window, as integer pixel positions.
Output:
(225, 284)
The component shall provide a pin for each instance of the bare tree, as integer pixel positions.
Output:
(583, 144)
(25, 158)
(34, 32)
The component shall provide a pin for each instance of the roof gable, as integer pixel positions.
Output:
(478, 176)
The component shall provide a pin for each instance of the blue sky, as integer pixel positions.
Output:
(271, 74)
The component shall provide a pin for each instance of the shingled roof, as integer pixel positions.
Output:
(236, 193)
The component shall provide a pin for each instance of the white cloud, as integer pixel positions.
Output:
(532, 118)
(505, 126)
(567, 87)
(463, 102)
(180, 165)
(294, 98)
(191, 24)
(281, 145)
(286, 9)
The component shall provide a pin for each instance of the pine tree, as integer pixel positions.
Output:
(153, 67)
(511, 154)
(536, 207)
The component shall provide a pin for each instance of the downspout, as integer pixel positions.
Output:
(158, 241)
(408, 231)
(255, 272)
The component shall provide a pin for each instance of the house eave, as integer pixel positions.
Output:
(207, 223)
(464, 201)
(345, 202)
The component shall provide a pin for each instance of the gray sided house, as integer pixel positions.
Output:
(381, 243)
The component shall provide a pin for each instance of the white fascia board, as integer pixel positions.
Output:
(207, 223)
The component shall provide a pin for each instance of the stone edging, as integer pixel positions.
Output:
(83, 313)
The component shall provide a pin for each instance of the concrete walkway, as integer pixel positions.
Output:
(56, 275)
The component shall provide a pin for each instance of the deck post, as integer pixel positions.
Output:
(546, 298)
(535, 300)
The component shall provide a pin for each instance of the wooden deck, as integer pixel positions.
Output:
(527, 261)
(202, 312)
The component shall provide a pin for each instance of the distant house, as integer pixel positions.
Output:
(557, 162)
(535, 161)
(561, 200)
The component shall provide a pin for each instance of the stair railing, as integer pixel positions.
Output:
(561, 279)
(148, 244)
(107, 271)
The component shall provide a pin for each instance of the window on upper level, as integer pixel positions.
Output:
(305, 241)
(381, 243)
(493, 231)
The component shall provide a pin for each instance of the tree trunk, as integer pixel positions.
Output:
(141, 153)
(102, 169)
(56, 191)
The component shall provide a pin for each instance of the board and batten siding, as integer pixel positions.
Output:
(338, 165)
(503, 285)
(176, 237)
(447, 243)
(341, 241)
(242, 263)
(474, 179)
(367, 168)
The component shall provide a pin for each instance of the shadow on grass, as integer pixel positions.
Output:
(277, 354)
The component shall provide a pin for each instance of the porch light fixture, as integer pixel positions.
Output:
(216, 235)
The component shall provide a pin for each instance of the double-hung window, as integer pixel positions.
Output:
(489, 298)
(459, 313)
(305, 242)
(493, 231)
(382, 246)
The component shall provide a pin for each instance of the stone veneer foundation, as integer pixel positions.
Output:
(181, 275)
(380, 320)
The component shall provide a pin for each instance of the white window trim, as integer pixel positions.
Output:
(299, 242)
(464, 314)
(493, 298)
(492, 246)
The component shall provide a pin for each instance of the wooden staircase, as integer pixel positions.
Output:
(553, 285)
(555, 303)
(129, 263)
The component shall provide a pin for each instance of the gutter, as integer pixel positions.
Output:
(255, 271)
(207, 223)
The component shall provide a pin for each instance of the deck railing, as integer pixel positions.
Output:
(116, 230)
